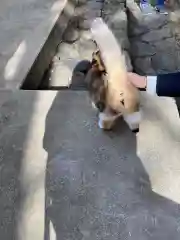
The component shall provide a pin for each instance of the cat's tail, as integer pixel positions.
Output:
(111, 53)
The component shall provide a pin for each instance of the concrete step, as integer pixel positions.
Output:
(25, 27)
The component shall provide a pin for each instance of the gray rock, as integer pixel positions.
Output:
(88, 12)
(154, 43)
(142, 49)
(65, 51)
(82, 2)
(165, 62)
(118, 21)
(80, 10)
(143, 66)
(166, 45)
(61, 73)
(71, 35)
(85, 35)
(157, 35)
(94, 5)
(135, 30)
(86, 48)
(84, 24)
(133, 10)
(155, 21)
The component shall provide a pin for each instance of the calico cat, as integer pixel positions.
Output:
(107, 80)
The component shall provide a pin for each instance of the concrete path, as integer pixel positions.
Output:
(63, 178)
(24, 27)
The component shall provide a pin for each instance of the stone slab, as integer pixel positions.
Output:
(64, 178)
(25, 27)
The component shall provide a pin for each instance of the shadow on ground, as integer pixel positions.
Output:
(14, 128)
(77, 80)
(96, 186)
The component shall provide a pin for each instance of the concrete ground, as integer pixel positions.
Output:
(63, 178)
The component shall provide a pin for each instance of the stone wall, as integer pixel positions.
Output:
(151, 43)
(154, 41)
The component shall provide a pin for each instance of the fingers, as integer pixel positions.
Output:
(137, 80)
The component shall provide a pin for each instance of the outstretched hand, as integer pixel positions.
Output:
(137, 80)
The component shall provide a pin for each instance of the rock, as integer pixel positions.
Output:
(154, 21)
(165, 62)
(69, 51)
(71, 35)
(94, 5)
(134, 10)
(118, 21)
(167, 45)
(86, 48)
(81, 11)
(87, 13)
(143, 66)
(86, 35)
(84, 24)
(139, 24)
(81, 2)
(141, 49)
(157, 35)
(61, 74)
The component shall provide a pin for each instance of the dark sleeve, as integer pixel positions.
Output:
(168, 85)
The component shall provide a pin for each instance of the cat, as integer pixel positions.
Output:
(107, 81)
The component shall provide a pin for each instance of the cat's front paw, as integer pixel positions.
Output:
(107, 120)
(133, 120)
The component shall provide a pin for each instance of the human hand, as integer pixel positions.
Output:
(137, 80)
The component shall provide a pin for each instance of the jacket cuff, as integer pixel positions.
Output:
(151, 85)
